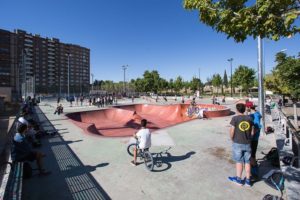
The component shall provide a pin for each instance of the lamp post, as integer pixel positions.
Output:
(24, 53)
(261, 94)
(199, 82)
(92, 75)
(81, 78)
(230, 60)
(124, 67)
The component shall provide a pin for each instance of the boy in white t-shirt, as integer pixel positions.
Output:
(144, 138)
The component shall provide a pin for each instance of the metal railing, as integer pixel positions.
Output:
(283, 126)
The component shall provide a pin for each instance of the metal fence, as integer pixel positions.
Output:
(284, 127)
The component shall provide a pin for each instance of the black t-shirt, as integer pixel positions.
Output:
(242, 129)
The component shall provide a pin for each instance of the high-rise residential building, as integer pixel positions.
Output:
(31, 64)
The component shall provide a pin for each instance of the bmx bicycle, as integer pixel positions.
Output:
(143, 154)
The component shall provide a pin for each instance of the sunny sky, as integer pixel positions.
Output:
(143, 34)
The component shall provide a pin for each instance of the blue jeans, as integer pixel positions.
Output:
(241, 153)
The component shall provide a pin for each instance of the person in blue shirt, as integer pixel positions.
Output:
(256, 118)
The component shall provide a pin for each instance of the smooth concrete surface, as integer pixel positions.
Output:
(121, 121)
(196, 166)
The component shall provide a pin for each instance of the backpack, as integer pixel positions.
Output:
(276, 181)
(273, 157)
(272, 197)
(27, 170)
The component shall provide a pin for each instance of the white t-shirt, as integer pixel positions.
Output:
(22, 120)
(144, 137)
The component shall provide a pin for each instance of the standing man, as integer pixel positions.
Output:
(241, 132)
(256, 117)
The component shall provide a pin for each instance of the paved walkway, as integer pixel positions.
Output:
(91, 167)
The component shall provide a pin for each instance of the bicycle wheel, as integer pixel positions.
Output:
(130, 149)
(148, 159)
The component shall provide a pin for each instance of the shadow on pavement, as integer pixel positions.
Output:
(70, 178)
(163, 160)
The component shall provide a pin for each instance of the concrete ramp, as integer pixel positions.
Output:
(125, 120)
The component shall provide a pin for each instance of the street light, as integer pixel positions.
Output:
(81, 76)
(24, 53)
(230, 60)
(199, 82)
(124, 67)
(92, 82)
(283, 50)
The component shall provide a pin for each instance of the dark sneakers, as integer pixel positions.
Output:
(239, 182)
(236, 180)
(248, 183)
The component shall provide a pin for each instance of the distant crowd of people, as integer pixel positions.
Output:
(98, 100)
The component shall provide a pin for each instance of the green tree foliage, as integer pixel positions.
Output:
(225, 79)
(244, 77)
(216, 81)
(273, 82)
(285, 76)
(139, 85)
(171, 85)
(241, 18)
(178, 84)
(151, 81)
(186, 86)
(194, 84)
(163, 85)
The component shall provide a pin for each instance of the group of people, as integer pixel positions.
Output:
(27, 138)
(215, 100)
(99, 100)
(244, 133)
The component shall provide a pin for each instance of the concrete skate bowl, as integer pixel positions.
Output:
(123, 121)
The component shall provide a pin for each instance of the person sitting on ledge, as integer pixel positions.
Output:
(22, 150)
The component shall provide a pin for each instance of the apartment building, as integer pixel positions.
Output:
(31, 64)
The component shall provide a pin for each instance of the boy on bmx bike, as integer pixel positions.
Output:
(144, 140)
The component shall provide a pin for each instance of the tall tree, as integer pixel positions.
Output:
(186, 86)
(178, 84)
(139, 85)
(244, 77)
(239, 19)
(163, 85)
(194, 84)
(171, 85)
(216, 81)
(287, 73)
(225, 79)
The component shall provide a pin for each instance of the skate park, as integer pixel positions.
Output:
(195, 161)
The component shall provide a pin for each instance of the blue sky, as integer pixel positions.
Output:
(144, 34)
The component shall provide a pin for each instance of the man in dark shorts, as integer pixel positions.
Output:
(22, 150)
(241, 133)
